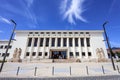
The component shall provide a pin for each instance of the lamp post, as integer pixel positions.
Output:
(111, 52)
(8, 45)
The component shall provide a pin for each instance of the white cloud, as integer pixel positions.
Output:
(4, 20)
(72, 9)
(1, 31)
(29, 2)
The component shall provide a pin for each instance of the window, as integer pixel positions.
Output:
(87, 32)
(64, 32)
(81, 32)
(42, 32)
(27, 53)
(8, 54)
(59, 32)
(47, 32)
(83, 54)
(53, 32)
(29, 42)
(6, 46)
(64, 42)
(47, 41)
(1, 46)
(46, 53)
(70, 32)
(71, 54)
(77, 53)
(34, 53)
(59, 42)
(10, 46)
(41, 42)
(82, 42)
(88, 42)
(40, 54)
(53, 42)
(89, 54)
(30, 32)
(76, 32)
(70, 42)
(36, 32)
(3, 54)
(35, 42)
(76, 42)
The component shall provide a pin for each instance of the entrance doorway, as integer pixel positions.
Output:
(58, 55)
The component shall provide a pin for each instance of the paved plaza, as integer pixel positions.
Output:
(46, 70)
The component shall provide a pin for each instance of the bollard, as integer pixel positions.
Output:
(18, 71)
(118, 69)
(53, 70)
(35, 71)
(70, 70)
(103, 69)
(87, 70)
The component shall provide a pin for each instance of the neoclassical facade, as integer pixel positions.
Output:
(59, 44)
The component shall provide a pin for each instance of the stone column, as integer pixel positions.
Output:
(86, 50)
(56, 42)
(80, 52)
(73, 41)
(32, 48)
(38, 46)
(43, 53)
(26, 48)
(61, 41)
(49, 53)
(68, 52)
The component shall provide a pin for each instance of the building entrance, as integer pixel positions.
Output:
(58, 55)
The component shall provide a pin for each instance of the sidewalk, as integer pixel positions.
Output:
(58, 69)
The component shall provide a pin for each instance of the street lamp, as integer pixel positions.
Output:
(111, 52)
(8, 45)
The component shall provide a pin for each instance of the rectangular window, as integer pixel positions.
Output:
(88, 42)
(10, 46)
(77, 53)
(40, 54)
(71, 54)
(1, 47)
(8, 54)
(6, 46)
(70, 42)
(76, 42)
(46, 53)
(29, 42)
(3, 54)
(53, 42)
(83, 54)
(27, 53)
(64, 42)
(89, 54)
(58, 42)
(41, 42)
(82, 42)
(35, 42)
(34, 53)
(47, 42)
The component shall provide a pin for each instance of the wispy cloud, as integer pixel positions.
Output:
(1, 31)
(5, 20)
(72, 10)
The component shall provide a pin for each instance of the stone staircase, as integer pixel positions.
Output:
(64, 60)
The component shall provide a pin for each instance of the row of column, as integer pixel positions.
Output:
(50, 40)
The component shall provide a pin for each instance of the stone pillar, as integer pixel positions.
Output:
(26, 48)
(80, 51)
(68, 52)
(44, 42)
(86, 50)
(56, 42)
(38, 46)
(49, 53)
(73, 39)
(61, 41)
(32, 48)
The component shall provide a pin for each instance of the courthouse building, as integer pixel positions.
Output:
(37, 45)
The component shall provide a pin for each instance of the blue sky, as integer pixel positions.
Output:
(61, 15)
